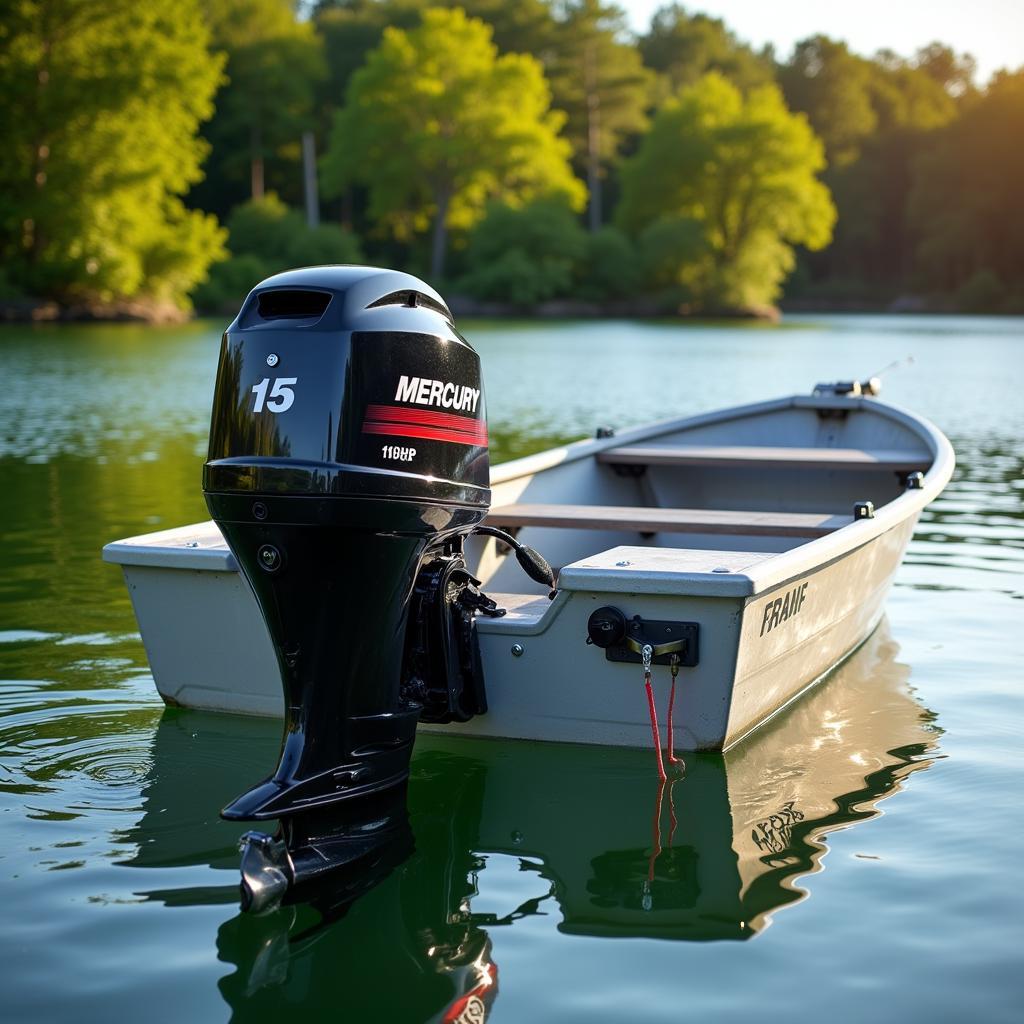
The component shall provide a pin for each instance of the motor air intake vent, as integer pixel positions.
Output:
(411, 298)
(292, 303)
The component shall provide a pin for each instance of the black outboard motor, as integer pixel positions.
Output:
(347, 464)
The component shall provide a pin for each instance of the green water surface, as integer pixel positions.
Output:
(542, 881)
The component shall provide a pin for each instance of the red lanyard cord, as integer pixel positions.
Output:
(672, 759)
(655, 734)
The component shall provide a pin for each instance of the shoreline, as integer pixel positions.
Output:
(27, 311)
(48, 311)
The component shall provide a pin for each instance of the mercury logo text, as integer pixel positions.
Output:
(422, 391)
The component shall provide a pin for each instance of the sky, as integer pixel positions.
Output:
(992, 31)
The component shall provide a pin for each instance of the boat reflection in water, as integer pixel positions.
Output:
(407, 937)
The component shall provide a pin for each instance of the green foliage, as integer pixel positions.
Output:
(228, 283)
(681, 47)
(274, 63)
(524, 255)
(266, 237)
(906, 98)
(529, 254)
(445, 117)
(515, 279)
(982, 292)
(874, 166)
(673, 256)
(8, 291)
(102, 101)
(280, 237)
(609, 269)
(326, 243)
(965, 204)
(954, 72)
(833, 88)
(265, 228)
(351, 30)
(436, 124)
(850, 100)
(742, 170)
(524, 26)
(599, 80)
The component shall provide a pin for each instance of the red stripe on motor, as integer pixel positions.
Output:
(426, 417)
(427, 433)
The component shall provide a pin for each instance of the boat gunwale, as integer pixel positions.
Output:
(803, 558)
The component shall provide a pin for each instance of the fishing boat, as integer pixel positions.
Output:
(775, 528)
(366, 573)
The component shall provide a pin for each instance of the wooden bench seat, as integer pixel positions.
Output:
(763, 457)
(669, 520)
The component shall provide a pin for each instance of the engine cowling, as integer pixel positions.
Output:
(348, 461)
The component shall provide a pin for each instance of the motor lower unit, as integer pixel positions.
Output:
(347, 465)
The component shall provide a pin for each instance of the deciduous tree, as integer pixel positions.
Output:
(734, 179)
(436, 124)
(965, 202)
(265, 237)
(526, 255)
(599, 80)
(102, 100)
(681, 47)
(833, 88)
(954, 72)
(900, 102)
(274, 62)
(350, 30)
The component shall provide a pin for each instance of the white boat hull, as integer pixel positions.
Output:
(775, 615)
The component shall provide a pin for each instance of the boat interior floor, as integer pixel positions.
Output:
(636, 459)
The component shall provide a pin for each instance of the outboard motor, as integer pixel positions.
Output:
(347, 464)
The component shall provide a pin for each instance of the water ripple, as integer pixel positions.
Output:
(110, 809)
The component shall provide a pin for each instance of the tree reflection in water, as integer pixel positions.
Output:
(407, 939)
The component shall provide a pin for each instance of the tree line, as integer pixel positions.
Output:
(513, 151)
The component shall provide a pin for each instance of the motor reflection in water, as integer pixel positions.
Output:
(596, 846)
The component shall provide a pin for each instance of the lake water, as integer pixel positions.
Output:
(889, 890)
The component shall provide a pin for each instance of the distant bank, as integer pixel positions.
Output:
(27, 311)
(641, 308)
